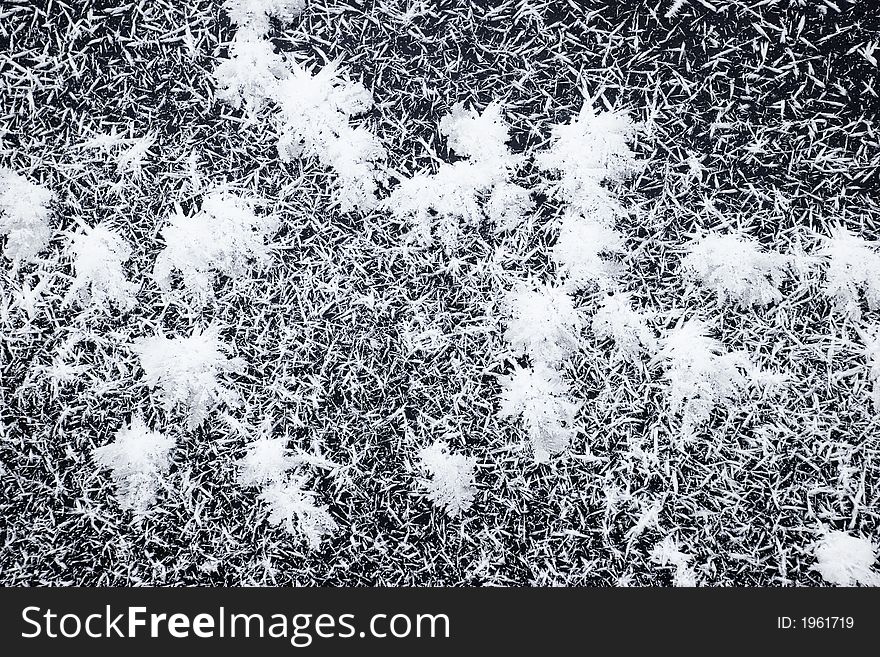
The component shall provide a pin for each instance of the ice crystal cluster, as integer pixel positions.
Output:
(99, 257)
(138, 460)
(853, 272)
(224, 237)
(700, 374)
(628, 330)
(24, 216)
(540, 398)
(735, 267)
(186, 371)
(585, 155)
(450, 482)
(668, 554)
(592, 148)
(295, 509)
(269, 466)
(470, 190)
(314, 107)
(846, 560)
(543, 321)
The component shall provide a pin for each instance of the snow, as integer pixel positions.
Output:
(437, 203)
(618, 321)
(267, 460)
(591, 148)
(295, 510)
(700, 374)
(542, 321)
(853, 271)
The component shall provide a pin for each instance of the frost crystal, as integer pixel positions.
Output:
(267, 460)
(98, 258)
(587, 151)
(853, 268)
(451, 483)
(186, 371)
(542, 322)
(24, 216)
(480, 137)
(540, 398)
(440, 202)
(314, 122)
(508, 205)
(314, 107)
(667, 553)
(846, 560)
(255, 14)
(699, 375)
(251, 72)
(736, 267)
(580, 248)
(225, 236)
(295, 509)
(616, 320)
(138, 459)
(131, 160)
